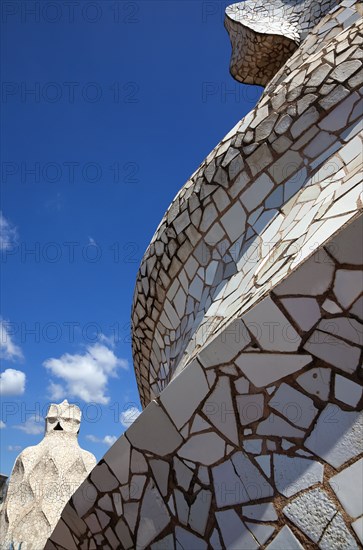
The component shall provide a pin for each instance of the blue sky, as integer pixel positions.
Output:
(107, 109)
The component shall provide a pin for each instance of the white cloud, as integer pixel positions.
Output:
(8, 350)
(108, 440)
(108, 340)
(87, 375)
(12, 382)
(14, 448)
(56, 391)
(8, 234)
(33, 425)
(129, 416)
(2, 425)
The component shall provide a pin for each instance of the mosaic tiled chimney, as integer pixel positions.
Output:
(43, 479)
(247, 334)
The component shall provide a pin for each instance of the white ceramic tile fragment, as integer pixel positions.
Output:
(347, 391)
(333, 351)
(238, 481)
(186, 539)
(261, 532)
(343, 246)
(271, 445)
(294, 474)
(274, 425)
(271, 328)
(348, 285)
(118, 459)
(163, 544)
(358, 528)
(285, 540)
(199, 424)
(218, 408)
(250, 407)
(312, 278)
(225, 346)
(154, 516)
(62, 536)
(182, 473)
(294, 405)
(234, 221)
(316, 381)
(337, 436)
(304, 311)
(331, 307)
(142, 434)
(234, 532)
(343, 327)
(252, 446)
(337, 536)
(214, 541)
(348, 486)
(260, 512)
(199, 511)
(265, 463)
(262, 369)
(228, 487)
(311, 512)
(103, 479)
(242, 385)
(206, 448)
(182, 507)
(191, 382)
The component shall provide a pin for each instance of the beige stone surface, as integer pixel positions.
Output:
(43, 479)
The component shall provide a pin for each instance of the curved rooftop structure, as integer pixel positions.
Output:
(247, 329)
(241, 187)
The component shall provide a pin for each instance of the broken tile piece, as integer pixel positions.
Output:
(271, 328)
(348, 486)
(154, 516)
(252, 446)
(333, 351)
(293, 474)
(285, 540)
(294, 405)
(265, 463)
(311, 512)
(274, 425)
(348, 285)
(218, 408)
(192, 382)
(316, 382)
(206, 448)
(242, 385)
(237, 481)
(260, 512)
(142, 435)
(234, 532)
(264, 368)
(358, 528)
(337, 536)
(304, 311)
(347, 391)
(261, 532)
(250, 407)
(337, 435)
(312, 278)
(186, 539)
(199, 511)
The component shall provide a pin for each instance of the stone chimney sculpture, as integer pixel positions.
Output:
(43, 479)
